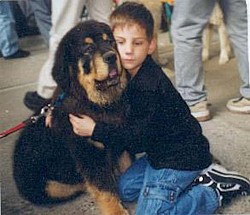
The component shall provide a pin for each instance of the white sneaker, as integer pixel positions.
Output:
(200, 111)
(239, 105)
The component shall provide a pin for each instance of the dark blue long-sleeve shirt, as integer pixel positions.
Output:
(159, 123)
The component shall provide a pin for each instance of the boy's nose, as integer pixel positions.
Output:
(128, 49)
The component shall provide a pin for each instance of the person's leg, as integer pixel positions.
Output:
(9, 46)
(8, 35)
(64, 16)
(166, 191)
(188, 21)
(100, 10)
(27, 11)
(227, 184)
(130, 183)
(235, 14)
(42, 12)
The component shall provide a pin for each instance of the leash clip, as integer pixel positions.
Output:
(45, 111)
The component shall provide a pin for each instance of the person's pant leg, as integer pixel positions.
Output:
(42, 13)
(65, 15)
(168, 191)
(235, 14)
(188, 21)
(100, 10)
(130, 183)
(8, 35)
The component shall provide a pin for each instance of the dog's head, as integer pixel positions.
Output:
(87, 64)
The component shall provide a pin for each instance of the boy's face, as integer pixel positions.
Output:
(133, 46)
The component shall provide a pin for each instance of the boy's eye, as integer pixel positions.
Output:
(120, 42)
(139, 43)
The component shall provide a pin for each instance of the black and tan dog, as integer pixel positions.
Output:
(54, 164)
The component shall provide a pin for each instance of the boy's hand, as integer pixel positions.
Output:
(83, 126)
(48, 119)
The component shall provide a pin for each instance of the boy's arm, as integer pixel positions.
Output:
(134, 131)
(126, 135)
(120, 136)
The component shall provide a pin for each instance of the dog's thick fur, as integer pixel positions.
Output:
(54, 164)
(216, 20)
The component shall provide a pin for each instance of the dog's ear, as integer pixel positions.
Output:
(61, 68)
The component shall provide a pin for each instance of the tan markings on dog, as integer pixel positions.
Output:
(60, 190)
(124, 162)
(107, 202)
(101, 68)
(87, 81)
(99, 71)
(96, 144)
(88, 40)
(104, 36)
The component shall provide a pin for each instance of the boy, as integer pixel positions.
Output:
(169, 178)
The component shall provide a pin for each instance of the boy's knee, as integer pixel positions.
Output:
(126, 192)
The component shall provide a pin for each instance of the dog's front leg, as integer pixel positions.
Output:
(225, 48)
(107, 202)
(206, 40)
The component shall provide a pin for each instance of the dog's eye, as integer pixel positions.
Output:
(89, 49)
(111, 42)
(86, 66)
(86, 58)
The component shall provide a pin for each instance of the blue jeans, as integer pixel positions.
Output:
(8, 35)
(165, 191)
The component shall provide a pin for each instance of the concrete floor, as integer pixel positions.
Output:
(229, 133)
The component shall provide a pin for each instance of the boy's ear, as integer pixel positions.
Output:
(152, 46)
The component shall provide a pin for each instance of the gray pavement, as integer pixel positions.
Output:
(229, 133)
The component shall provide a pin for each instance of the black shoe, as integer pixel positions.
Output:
(18, 54)
(34, 102)
(1, 55)
(227, 184)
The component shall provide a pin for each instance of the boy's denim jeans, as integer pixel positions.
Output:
(165, 191)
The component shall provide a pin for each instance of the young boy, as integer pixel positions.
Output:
(176, 176)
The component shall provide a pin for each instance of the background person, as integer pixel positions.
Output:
(188, 21)
(9, 47)
(65, 15)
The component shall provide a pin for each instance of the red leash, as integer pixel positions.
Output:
(13, 129)
(33, 119)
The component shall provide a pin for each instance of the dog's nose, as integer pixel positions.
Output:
(109, 57)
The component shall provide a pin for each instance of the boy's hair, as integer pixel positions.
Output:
(130, 13)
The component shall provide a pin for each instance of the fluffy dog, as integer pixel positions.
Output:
(54, 164)
(216, 20)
